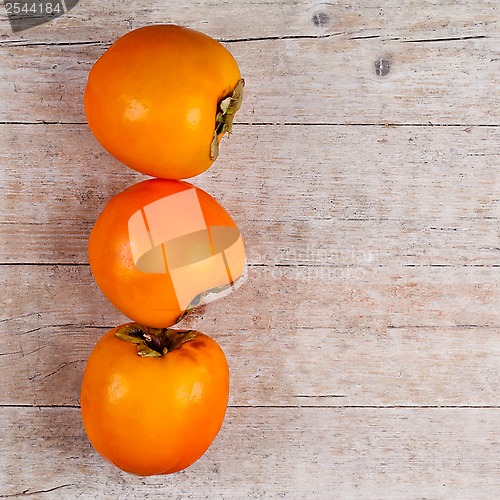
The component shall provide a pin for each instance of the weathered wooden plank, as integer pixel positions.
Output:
(92, 21)
(304, 80)
(271, 453)
(470, 243)
(373, 250)
(320, 336)
(288, 366)
(312, 297)
(301, 194)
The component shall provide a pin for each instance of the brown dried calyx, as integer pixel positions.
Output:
(154, 342)
(226, 109)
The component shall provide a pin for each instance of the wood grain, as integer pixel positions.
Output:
(320, 80)
(362, 297)
(347, 195)
(415, 337)
(275, 452)
(241, 20)
(404, 367)
(363, 173)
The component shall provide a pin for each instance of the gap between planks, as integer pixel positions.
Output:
(107, 43)
(289, 124)
(298, 406)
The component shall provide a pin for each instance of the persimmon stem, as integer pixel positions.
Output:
(226, 109)
(154, 342)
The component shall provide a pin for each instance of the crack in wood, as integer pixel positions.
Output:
(320, 396)
(282, 37)
(108, 43)
(326, 265)
(60, 325)
(39, 377)
(41, 122)
(285, 124)
(24, 43)
(446, 39)
(440, 327)
(22, 316)
(367, 37)
(27, 492)
(375, 407)
(297, 406)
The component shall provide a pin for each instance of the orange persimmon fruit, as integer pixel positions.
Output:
(152, 401)
(162, 247)
(161, 98)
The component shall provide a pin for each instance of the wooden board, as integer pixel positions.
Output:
(299, 80)
(242, 21)
(408, 196)
(363, 172)
(275, 452)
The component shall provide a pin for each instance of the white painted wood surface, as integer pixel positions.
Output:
(364, 349)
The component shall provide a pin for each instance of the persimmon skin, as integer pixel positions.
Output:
(147, 298)
(151, 99)
(154, 415)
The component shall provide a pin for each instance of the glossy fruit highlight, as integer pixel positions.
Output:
(161, 98)
(162, 247)
(152, 401)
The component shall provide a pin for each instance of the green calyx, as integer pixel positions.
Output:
(226, 109)
(154, 342)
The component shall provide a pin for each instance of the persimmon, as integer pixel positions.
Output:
(162, 247)
(161, 98)
(152, 401)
